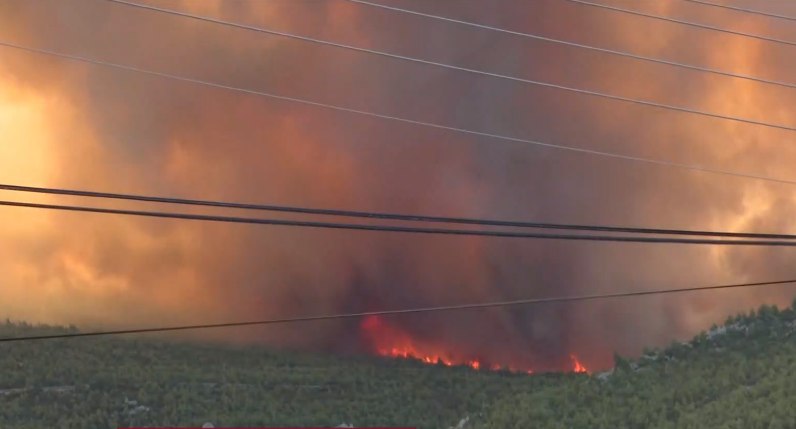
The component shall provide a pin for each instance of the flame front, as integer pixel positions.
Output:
(391, 341)
(577, 366)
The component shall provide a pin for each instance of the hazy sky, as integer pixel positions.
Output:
(74, 125)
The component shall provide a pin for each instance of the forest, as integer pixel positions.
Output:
(738, 375)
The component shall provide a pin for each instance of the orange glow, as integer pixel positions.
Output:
(77, 126)
(577, 366)
(390, 341)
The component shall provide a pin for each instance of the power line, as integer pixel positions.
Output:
(578, 45)
(742, 9)
(337, 316)
(457, 68)
(395, 118)
(389, 216)
(683, 22)
(385, 228)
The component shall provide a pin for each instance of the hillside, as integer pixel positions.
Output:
(106, 382)
(740, 375)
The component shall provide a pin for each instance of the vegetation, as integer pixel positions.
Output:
(114, 382)
(740, 375)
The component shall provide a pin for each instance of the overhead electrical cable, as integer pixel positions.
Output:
(680, 21)
(743, 9)
(578, 45)
(386, 228)
(457, 68)
(394, 118)
(436, 309)
(388, 216)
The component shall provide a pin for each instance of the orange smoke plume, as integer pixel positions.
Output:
(70, 125)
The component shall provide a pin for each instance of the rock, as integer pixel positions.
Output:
(208, 425)
(462, 423)
(605, 375)
(138, 409)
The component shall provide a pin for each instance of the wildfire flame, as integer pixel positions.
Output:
(390, 341)
(577, 366)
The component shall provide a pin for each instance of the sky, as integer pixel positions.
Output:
(74, 125)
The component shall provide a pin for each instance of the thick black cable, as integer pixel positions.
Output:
(531, 301)
(385, 228)
(389, 216)
(692, 167)
(453, 67)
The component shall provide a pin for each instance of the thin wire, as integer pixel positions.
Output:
(390, 216)
(385, 228)
(679, 21)
(395, 118)
(742, 9)
(532, 301)
(579, 45)
(453, 67)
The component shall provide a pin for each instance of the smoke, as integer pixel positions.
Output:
(79, 126)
